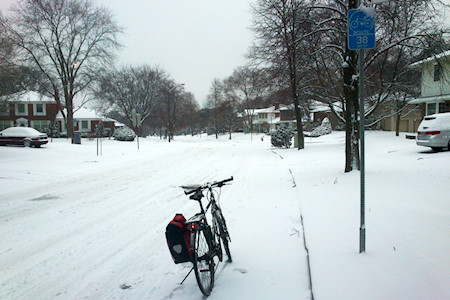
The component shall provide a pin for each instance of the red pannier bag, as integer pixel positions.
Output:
(179, 239)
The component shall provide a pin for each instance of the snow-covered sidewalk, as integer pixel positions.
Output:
(407, 218)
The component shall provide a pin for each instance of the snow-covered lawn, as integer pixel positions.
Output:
(75, 225)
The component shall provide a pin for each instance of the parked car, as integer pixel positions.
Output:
(434, 132)
(25, 136)
(124, 134)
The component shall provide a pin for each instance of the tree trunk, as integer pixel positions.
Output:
(298, 117)
(351, 105)
(397, 124)
(69, 125)
(216, 125)
(351, 113)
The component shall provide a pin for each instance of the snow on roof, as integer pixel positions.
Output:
(430, 99)
(265, 110)
(322, 107)
(28, 96)
(432, 58)
(81, 113)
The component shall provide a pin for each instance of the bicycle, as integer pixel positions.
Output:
(206, 241)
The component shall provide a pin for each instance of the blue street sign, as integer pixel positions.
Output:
(361, 30)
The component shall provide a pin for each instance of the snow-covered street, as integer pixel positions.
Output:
(75, 225)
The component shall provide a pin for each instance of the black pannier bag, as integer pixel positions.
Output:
(178, 239)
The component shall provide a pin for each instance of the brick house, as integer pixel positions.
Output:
(85, 121)
(27, 109)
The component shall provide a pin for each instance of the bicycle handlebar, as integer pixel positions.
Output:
(208, 185)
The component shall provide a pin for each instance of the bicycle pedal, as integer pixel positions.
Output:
(205, 270)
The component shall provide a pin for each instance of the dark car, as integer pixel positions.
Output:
(25, 136)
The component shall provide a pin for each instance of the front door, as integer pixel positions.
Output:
(22, 122)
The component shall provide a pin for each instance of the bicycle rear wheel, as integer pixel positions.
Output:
(203, 261)
(223, 232)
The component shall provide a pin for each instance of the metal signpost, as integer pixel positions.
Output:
(361, 35)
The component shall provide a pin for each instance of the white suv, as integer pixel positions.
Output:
(434, 132)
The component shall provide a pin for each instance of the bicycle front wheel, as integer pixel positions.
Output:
(223, 232)
(203, 261)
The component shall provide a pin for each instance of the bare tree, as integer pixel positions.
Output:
(132, 89)
(281, 28)
(243, 88)
(187, 119)
(173, 101)
(10, 75)
(402, 28)
(214, 98)
(68, 41)
(228, 115)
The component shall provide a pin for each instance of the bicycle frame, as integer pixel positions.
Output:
(205, 240)
(199, 221)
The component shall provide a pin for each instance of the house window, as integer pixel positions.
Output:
(431, 108)
(40, 125)
(85, 125)
(5, 124)
(4, 109)
(39, 109)
(21, 109)
(437, 72)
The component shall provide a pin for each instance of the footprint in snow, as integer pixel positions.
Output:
(125, 286)
(242, 271)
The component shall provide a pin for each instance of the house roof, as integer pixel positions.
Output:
(432, 58)
(430, 99)
(28, 96)
(321, 107)
(265, 110)
(82, 113)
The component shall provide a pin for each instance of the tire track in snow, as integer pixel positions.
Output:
(115, 234)
(308, 263)
(81, 236)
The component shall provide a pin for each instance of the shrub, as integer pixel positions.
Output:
(282, 137)
(324, 128)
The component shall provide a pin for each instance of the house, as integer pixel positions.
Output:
(85, 121)
(409, 121)
(268, 119)
(435, 84)
(27, 109)
(262, 119)
(265, 119)
(320, 111)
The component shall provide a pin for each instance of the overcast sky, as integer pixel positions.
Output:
(195, 41)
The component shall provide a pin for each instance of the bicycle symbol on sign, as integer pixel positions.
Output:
(360, 23)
